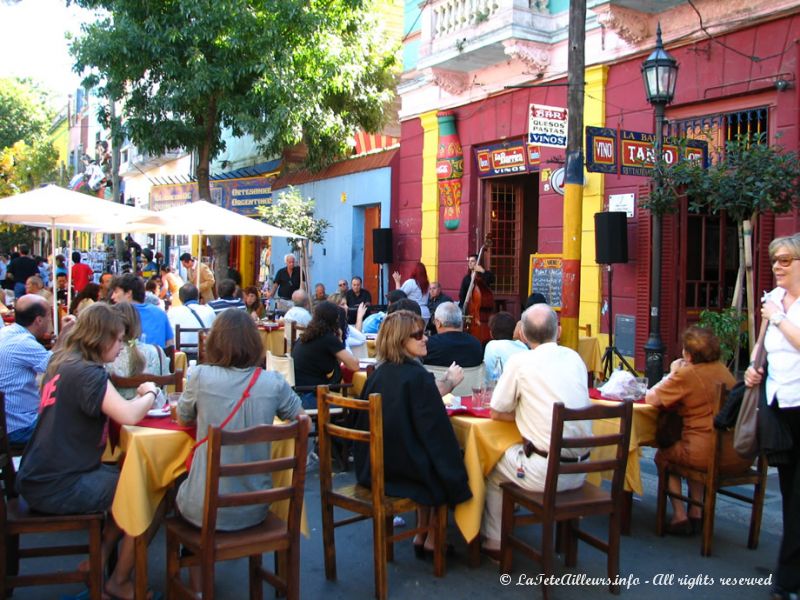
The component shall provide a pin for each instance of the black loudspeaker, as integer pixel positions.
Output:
(611, 237)
(381, 246)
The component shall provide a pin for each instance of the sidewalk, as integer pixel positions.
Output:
(655, 568)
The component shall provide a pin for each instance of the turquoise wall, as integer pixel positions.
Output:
(342, 254)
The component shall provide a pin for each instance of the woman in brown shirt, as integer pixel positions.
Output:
(690, 389)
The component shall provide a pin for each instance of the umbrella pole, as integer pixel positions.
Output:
(69, 272)
(53, 262)
(199, 259)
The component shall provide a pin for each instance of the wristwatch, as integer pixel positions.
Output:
(776, 318)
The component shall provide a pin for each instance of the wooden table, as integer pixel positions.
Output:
(154, 459)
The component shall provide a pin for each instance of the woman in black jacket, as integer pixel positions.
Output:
(422, 460)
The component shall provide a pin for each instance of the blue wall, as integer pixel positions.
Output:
(342, 254)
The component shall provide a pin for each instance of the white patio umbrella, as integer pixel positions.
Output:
(53, 206)
(203, 218)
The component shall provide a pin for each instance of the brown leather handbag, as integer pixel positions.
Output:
(745, 434)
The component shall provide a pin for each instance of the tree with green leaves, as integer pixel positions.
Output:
(24, 111)
(747, 178)
(294, 213)
(287, 72)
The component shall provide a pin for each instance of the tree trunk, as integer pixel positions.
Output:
(219, 243)
(747, 231)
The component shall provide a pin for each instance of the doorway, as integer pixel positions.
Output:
(511, 217)
(372, 220)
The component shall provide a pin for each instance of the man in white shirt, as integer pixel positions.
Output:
(526, 393)
(190, 314)
(300, 313)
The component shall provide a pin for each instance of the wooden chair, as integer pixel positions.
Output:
(16, 520)
(291, 331)
(715, 483)
(366, 503)
(192, 349)
(206, 546)
(473, 377)
(550, 506)
(281, 364)
(171, 379)
(585, 330)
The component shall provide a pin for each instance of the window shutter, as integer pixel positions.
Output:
(643, 223)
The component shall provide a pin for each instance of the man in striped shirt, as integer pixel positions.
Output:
(22, 357)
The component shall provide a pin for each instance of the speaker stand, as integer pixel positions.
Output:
(381, 295)
(611, 349)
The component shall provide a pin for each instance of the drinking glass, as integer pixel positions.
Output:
(173, 406)
(477, 397)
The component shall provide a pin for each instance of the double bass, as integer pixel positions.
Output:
(479, 302)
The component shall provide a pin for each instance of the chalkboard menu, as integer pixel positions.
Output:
(546, 277)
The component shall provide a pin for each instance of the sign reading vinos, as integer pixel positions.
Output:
(511, 156)
(547, 126)
(632, 152)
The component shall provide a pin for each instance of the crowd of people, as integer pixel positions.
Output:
(125, 325)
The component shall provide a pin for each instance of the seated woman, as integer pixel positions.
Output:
(136, 357)
(88, 296)
(690, 389)
(61, 471)
(318, 352)
(234, 351)
(252, 300)
(502, 345)
(422, 460)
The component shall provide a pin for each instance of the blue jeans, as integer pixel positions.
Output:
(22, 435)
(309, 400)
(91, 492)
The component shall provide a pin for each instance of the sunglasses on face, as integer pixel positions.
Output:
(784, 260)
(418, 335)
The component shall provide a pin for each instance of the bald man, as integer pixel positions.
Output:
(526, 393)
(22, 357)
(300, 313)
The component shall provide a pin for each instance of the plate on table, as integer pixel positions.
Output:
(158, 412)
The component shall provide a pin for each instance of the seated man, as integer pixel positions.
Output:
(155, 324)
(300, 313)
(357, 294)
(227, 297)
(35, 285)
(22, 357)
(189, 313)
(526, 393)
(451, 344)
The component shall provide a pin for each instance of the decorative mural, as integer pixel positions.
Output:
(449, 169)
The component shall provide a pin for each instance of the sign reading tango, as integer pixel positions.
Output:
(507, 158)
(243, 196)
(632, 152)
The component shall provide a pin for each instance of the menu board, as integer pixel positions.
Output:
(547, 277)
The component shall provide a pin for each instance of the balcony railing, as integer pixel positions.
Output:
(465, 35)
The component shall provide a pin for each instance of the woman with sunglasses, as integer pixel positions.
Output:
(781, 315)
(422, 460)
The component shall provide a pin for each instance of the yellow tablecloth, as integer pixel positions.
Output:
(154, 458)
(643, 433)
(589, 349)
(484, 442)
(272, 340)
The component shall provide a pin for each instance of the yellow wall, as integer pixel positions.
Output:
(430, 195)
(593, 195)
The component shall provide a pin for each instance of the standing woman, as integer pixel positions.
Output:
(782, 343)
(61, 471)
(416, 287)
(422, 460)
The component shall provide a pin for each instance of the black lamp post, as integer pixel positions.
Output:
(659, 71)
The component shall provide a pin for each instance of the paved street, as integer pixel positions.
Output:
(648, 561)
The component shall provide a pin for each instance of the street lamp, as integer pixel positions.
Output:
(659, 71)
